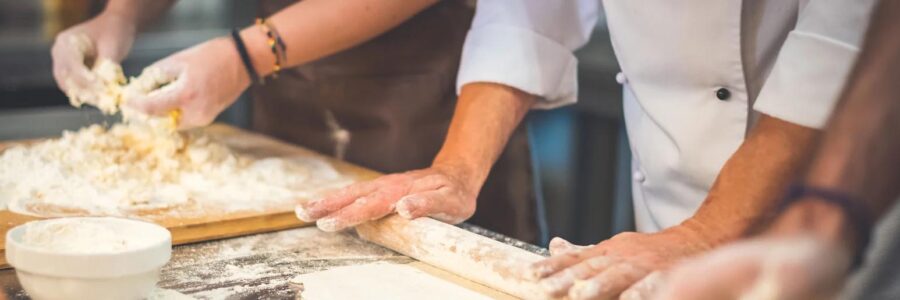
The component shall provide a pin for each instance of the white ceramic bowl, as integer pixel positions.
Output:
(62, 274)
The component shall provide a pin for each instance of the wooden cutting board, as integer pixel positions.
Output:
(218, 225)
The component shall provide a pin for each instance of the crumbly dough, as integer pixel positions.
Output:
(144, 165)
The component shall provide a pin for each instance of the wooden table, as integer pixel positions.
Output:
(261, 266)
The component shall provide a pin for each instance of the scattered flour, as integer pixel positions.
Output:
(379, 281)
(84, 236)
(123, 171)
(144, 165)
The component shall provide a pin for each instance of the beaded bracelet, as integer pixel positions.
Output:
(275, 43)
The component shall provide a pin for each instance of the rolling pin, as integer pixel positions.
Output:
(466, 254)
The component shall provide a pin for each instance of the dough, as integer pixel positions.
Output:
(379, 281)
(166, 294)
(144, 167)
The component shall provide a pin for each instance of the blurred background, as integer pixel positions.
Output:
(581, 150)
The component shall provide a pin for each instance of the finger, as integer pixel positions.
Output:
(607, 284)
(559, 262)
(112, 49)
(72, 76)
(559, 245)
(364, 209)
(558, 284)
(439, 204)
(334, 201)
(416, 205)
(430, 195)
(158, 90)
(68, 53)
(646, 288)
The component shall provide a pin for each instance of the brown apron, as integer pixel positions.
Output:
(395, 96)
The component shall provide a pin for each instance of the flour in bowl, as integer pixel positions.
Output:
(84, 236)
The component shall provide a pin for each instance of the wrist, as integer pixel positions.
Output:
(473, 174)
(261, 56)
(698, 238)
(123, 19)
(821, 219)
(227, 47)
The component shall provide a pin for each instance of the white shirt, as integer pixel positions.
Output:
(784, 58)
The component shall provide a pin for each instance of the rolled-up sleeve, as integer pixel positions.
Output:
(528, 44)
(814, 62)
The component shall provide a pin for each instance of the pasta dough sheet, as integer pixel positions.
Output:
(379, 281)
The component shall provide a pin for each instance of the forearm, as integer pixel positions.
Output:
(860, 152)
(485, 117)
(313, 29)
(752, 180)
(138, 12)
(858, 155)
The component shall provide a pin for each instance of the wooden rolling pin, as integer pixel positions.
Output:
(469, 255)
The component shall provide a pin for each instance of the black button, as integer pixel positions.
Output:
(723, 94)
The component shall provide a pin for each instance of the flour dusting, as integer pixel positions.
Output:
(145, 166)
(85, 236)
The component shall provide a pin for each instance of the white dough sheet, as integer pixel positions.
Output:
(379, 281)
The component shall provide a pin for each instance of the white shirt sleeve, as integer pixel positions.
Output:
(814, 62)
(528, 44)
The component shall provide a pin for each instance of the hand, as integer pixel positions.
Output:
(444, 192)
(799, 267)
(605, 270)
(200, 82)
(794, 259)
(77, 49)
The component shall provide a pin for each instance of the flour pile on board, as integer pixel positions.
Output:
(144, 165)
(83, 236)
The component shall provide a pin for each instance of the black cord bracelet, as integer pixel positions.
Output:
(859, 218)
(245, 57)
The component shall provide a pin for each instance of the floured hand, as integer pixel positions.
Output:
(798, 267)
(605, 270)
(199, 82)
(794, 259)
(78, 52)
(443, 192)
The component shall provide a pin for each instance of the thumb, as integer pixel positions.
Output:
(114, 49)
(157, 91)
(559, 245)
(433, 203)
(416, 205)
